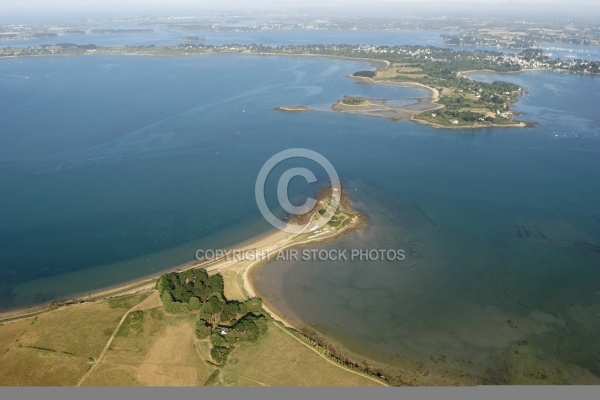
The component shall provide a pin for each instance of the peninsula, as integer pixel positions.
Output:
(201, 324)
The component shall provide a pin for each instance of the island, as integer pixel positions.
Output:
(292, 108)
(455, 100)
(194, 39)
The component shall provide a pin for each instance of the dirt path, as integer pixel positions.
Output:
(330, 361)
(150, 302)
(248, 379)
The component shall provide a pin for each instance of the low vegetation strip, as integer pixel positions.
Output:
(329, 356)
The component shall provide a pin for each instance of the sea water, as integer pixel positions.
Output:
(114, 167)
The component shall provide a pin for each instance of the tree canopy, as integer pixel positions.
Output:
(225, 322)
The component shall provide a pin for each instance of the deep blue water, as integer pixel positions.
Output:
(112, 158)
(112, 168)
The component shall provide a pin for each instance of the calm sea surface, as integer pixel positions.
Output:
(113, 168)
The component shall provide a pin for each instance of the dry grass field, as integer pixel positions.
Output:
(152, 348)
(399, 69)
(58, 347)
(279, 359)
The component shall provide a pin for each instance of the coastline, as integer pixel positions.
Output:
(375, 63)
(138, 285)
(250, 288)
(492, 72)
(520, 124)
(405, 113)
(434, 94)
(145, 282)
(397, 113)
(379, 108)
(270, 242)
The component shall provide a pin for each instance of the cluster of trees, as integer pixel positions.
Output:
(491, 96)
(461, 116)
(454, 103)
(436, 62)
(248, 328)
(218, 312)
(365, 74)
(468, 116)
(188, 290)
(226, 322)
(533, 55)
(353, 101)
(220, 353)
(480, 39)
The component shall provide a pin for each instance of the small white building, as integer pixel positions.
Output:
(224, 330)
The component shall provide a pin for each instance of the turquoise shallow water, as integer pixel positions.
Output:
(112, 168)
(501, 230)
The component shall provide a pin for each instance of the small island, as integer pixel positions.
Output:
(293, 108)
(194, 39)
(455, 101)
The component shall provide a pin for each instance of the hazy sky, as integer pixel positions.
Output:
(91, 8)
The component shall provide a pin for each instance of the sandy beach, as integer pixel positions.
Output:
(377, 64)
(250, 288)
(265, 245)
(434, 93)
(381, 107)
(141, 284)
